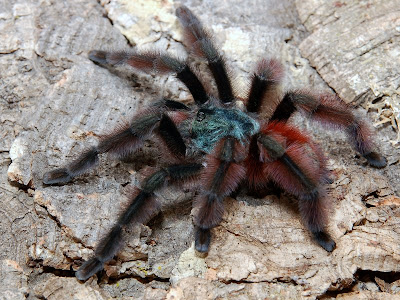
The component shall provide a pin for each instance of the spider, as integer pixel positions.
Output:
(221, 143)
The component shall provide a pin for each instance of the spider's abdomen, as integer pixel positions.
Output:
(214, 124)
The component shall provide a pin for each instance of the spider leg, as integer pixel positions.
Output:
(171, 136)
(122, 142)
(331, 110)
(149, 62)
(198, 39)
(142, 207)
(264, 85)
(220, 178)
(298, 172)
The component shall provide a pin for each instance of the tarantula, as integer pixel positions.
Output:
(238, 141)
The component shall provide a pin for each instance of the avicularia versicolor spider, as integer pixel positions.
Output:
(236, 144)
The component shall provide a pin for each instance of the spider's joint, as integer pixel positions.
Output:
(155, 181)
(172, 63)
(275, 150)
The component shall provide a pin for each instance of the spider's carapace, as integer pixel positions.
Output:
(213, 124)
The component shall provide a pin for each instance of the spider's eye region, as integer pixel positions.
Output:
(200, 116)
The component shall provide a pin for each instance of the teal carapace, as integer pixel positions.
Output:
(213, 124)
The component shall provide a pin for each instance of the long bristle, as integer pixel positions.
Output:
(143, 212)
(264, 92)
(128, 137)
(109, 245)
(313, 210)
(89, 268)
(210, 209)
(172, 138)
(235, 173)
(199, 42)
(120, 142)
(58, 176)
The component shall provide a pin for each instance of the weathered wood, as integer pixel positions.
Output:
(355, 46)
(55, 103)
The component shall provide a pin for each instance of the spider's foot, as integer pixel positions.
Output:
(376, 160)
(58, 176)
(202, 240)
(88, 269)
(98, 56)
(324, 240)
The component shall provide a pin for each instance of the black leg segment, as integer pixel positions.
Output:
(150, 62)
(122, 141)
(285, 109)
(264, 84)
(141, 208)
(199, 42)
(171, 136)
